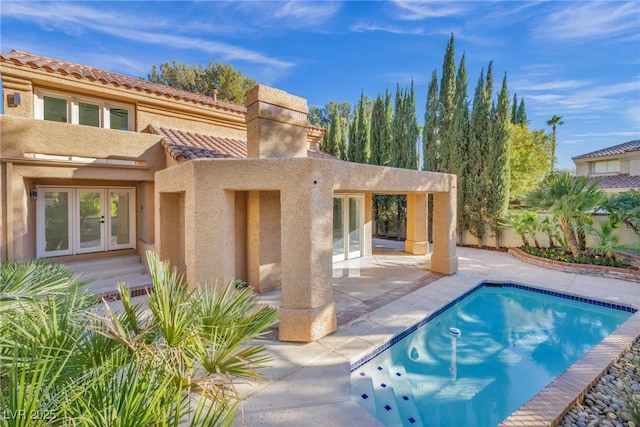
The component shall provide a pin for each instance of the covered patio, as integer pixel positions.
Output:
(268, 219)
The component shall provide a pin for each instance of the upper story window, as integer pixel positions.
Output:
(60, 107)
(606, 166)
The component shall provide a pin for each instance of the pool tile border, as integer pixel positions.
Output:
(485, 283)
(551, 404)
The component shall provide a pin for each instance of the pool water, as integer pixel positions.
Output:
(480, 358)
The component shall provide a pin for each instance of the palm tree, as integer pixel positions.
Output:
(553, 122)
(175, 365)
(570, 200)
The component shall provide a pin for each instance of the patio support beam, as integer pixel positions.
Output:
(416, 242)
(444, 259)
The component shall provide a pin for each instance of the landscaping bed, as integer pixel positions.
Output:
(624, 273)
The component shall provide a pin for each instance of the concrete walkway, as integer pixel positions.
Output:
(376, 298)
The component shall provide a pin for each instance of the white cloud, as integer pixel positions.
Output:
(287, 14)
(550, 85)
(584, 21)
(394, 29)
(152, 30)
(418, 10)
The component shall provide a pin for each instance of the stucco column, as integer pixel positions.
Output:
(367, 232)
(416, 242)
(307, 310)
(444, 259)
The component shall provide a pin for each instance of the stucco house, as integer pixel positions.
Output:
(618, 166)
(94, 162)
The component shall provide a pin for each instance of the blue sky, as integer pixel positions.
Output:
(576, 59)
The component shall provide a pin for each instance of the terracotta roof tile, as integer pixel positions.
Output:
(191, 145)
(622, 180)
(610, 151)
(118, 80)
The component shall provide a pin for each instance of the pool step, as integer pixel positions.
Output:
(388, 394)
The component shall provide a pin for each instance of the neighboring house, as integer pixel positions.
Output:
(618, 166)
(94, 162)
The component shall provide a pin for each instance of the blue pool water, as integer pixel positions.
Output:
(481, 357)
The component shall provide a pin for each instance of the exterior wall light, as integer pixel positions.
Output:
(34, 194)
(14, 99)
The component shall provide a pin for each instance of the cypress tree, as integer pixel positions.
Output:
(521, 114)
(498, 163)
(514, 110)
(412, 129)
(362, 149)
(446, 107)
(478, 135)
(430, 130)
(333, 138)
(460, 146)
(351, 145)
(377, 132)
(388, 112)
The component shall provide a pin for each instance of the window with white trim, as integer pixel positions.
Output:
(80, 110)
(606, 166)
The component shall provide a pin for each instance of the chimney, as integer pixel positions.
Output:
(214, 94)
(276, 124)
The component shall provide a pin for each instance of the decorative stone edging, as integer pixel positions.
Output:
(567, 267)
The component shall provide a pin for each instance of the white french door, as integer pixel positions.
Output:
(348, 221)
(82, 220)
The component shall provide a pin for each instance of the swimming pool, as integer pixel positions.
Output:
(481, 357)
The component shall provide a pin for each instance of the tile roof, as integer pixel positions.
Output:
(192, 145)
(622, 180)
(610, 151)
(118, 80)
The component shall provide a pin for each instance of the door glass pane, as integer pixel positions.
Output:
(338, 227)
(56, 220)
(89, 114)
(90, 219)
(55, 109)
(119, 205)
(354, 224)
(119, 118)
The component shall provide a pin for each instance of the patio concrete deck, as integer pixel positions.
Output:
(309, 384)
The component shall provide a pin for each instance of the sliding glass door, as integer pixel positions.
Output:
(348, 219)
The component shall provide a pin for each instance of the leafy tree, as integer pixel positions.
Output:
(318, 117)
(554, 122)
(230, 83)
(625, 207)
(570, 200)
(530, 157)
